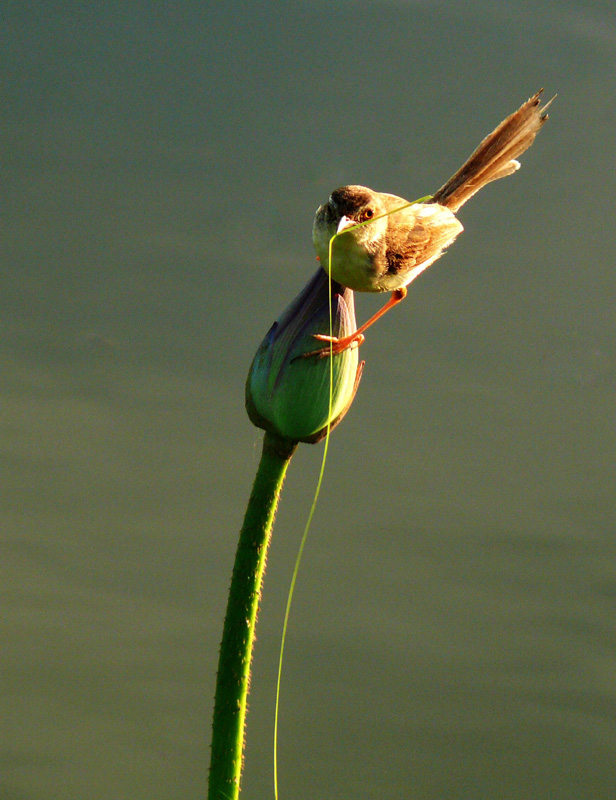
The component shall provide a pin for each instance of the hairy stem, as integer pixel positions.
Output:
(239, 629)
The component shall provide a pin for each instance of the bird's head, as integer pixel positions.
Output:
(346, 208)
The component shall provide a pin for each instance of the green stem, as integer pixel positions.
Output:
(239, 629)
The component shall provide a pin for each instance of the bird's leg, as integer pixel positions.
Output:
(354, 339)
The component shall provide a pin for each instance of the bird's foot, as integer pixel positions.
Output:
(336, 345)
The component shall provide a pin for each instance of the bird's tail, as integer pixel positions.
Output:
(496, 155)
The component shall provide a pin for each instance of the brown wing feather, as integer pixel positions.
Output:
(430, 229)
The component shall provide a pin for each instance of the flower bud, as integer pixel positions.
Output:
(288, 395)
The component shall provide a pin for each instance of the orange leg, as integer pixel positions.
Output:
(355, 339)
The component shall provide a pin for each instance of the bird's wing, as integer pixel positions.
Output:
(417, 235)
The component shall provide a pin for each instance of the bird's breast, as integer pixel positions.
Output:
(356, 266)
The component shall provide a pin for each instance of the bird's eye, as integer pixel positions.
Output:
(368, 213)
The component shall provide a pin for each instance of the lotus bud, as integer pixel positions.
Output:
(287, 394)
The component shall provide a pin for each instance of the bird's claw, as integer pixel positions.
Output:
(336, 345)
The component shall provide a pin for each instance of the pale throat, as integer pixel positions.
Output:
(353, 263)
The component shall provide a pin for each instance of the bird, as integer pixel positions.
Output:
(380, 242)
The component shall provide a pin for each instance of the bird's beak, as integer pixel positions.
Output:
(345, 222)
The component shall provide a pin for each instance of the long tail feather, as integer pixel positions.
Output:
(496, 155)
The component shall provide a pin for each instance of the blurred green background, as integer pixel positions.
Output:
(453, 633)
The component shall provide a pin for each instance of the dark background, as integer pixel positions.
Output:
(452, 634)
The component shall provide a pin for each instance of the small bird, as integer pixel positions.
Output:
(384, 242)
